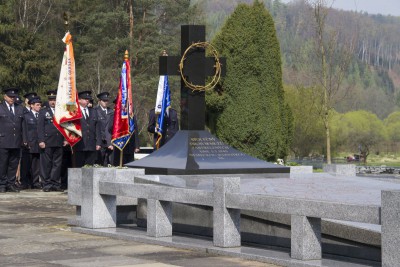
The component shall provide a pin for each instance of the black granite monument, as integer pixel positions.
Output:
(194, 150)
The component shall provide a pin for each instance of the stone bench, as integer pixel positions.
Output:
(76, 194)
(100, 200)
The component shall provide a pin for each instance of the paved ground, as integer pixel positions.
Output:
(34, 232)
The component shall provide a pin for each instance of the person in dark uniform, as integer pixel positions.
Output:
(25, 177)
(86, 149)
(51, 143)
(18, 101)
(27, 97)
(11, 118)
(66, 163)
(170, 127)
(104, 154)
(131, 147)
(30, 140)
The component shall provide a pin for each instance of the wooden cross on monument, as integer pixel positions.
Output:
(196, 68)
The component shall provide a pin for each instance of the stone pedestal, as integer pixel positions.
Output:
(305, 238)
(340, 169)
(98, 211)
(198, 153)
(297, 172)
(159, 218)
(226, 230)
(390, 228)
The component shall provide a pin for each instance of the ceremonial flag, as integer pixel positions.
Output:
(163, 104)
(67, 112)
(124, 126)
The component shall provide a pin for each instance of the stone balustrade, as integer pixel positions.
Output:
(99, 211)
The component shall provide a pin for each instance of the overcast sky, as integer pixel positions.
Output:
(384, 7)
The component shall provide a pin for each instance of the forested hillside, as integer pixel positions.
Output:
(373, 79)
(31, 48)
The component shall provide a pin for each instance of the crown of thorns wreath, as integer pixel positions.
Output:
(217, 75)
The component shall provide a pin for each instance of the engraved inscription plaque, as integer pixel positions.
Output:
(199, 152)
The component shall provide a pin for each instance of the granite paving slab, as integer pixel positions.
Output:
(101, 261)
(247, 252)
(34, 233)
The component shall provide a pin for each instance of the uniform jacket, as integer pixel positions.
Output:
(11, 126)
(170, 127)
(91, 133)
(133, 141)
(102, 120)
(47, 132)
(30, 132)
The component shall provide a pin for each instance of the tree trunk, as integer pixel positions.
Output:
(328, 142)
(130, 32)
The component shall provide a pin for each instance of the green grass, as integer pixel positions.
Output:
(388, 159)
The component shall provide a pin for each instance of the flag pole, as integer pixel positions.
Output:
(121, 155)
(66, 22)
(121, 152)
(66, 27)
(157, 146)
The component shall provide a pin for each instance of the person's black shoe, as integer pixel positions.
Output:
(47, 189)
(24, 187)
(57, 189)
(12, 188)
(2, 190)
(37, 186)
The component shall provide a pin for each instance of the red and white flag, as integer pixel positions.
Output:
(67, 112)
(124, 124)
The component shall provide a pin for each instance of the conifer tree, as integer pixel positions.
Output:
(22, 63)
(248, 111)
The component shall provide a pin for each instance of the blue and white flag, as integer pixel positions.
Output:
(163, 104)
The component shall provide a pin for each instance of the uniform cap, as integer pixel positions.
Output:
(35, 99)
(11, 91)
(104, 96)
(30, 95)
(51, 94)
(85, 95)
(18, 100)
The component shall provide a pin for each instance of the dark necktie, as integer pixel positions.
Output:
(11, 110)
(37, 115)
(86, 114)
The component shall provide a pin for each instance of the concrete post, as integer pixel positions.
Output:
(159, 218)
(226, 229)
(75, 194)
(305, 238)
(98, 211)
(390, 220)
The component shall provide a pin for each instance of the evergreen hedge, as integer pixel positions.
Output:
(248, 111)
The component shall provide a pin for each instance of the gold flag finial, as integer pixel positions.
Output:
(66, 22)
(164, 53)
(126, 56)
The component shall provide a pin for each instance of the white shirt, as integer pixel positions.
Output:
(12, 106)
(85, 112)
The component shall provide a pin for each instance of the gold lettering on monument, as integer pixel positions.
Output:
(210, 147)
